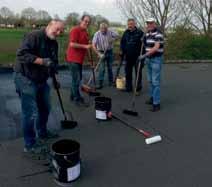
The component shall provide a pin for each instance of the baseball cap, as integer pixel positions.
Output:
(150, 20)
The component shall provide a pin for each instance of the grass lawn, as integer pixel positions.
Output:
(11, 39)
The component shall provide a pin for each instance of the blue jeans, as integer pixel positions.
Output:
(35, 105)
(108, 60)
(154, 66)
(76, 77)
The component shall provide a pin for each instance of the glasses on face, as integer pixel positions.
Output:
(86, 21)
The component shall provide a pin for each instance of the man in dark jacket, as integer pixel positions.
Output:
(130, 49)
(36, 60)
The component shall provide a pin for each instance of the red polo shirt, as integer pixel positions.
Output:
(80, 36)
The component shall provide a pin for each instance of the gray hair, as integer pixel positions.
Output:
(103, 25)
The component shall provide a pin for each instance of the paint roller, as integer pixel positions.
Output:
(149, 139)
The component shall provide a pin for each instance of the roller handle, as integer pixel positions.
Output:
(145, 134)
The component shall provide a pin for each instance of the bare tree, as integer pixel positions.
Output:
(42, 15)
(200, 14)
(56, 16)
(72, 18)
(6, 15)
(165, 12)
(29, 13)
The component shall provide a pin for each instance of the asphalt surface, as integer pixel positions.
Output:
(114, 155)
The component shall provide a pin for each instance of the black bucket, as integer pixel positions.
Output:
(103, 107)
(65, 159)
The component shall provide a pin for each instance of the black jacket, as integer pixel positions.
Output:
(131, 43)
(36, 44)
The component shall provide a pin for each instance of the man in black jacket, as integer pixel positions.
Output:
(130, 49)
(36, 60)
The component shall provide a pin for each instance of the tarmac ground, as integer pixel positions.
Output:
(112, 154)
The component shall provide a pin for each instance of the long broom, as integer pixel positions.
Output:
(149, 139)
(66, 124)
(86, 88)
(132, 111)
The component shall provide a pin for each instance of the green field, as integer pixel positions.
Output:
(10, 41)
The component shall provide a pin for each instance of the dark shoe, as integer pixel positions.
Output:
(127, 90)
(37, 148)
(137, 93)
(155, 108)
(110, 83)
(149, 101)
(81, 103)
(49, 135)
(71, 98)
(99, 87)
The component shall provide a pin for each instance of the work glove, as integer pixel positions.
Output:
(47, 62)
(142, 57)
(101, 55)
(52, 66)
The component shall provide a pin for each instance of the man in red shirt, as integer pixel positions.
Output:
(75, 54)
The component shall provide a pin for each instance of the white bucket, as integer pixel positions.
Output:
(102, 115)
(120, 83)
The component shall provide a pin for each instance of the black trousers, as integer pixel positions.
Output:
(131, 63)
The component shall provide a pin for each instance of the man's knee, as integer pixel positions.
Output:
(155, 83)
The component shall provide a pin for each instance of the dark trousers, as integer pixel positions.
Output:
(130, 64)
(76, 77)
(107, 60)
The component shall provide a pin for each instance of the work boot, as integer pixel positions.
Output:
(155, 108)
(110, 83)
(149, 101)
(100, 86)
(127, 90)
(137, 93)
(37, 148)
(81, 103)
(48, 135)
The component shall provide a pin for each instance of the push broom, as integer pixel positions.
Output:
(66, 124)
(86, 88)
(132, 111)
(149, 139)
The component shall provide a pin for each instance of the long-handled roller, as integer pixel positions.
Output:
(66, 124)
(149, 139)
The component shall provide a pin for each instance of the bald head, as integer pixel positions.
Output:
(54, 29)
(103, 27)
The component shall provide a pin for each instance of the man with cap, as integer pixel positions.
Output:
(37, 59)
(154, 44)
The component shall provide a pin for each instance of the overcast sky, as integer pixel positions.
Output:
(106, 8)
